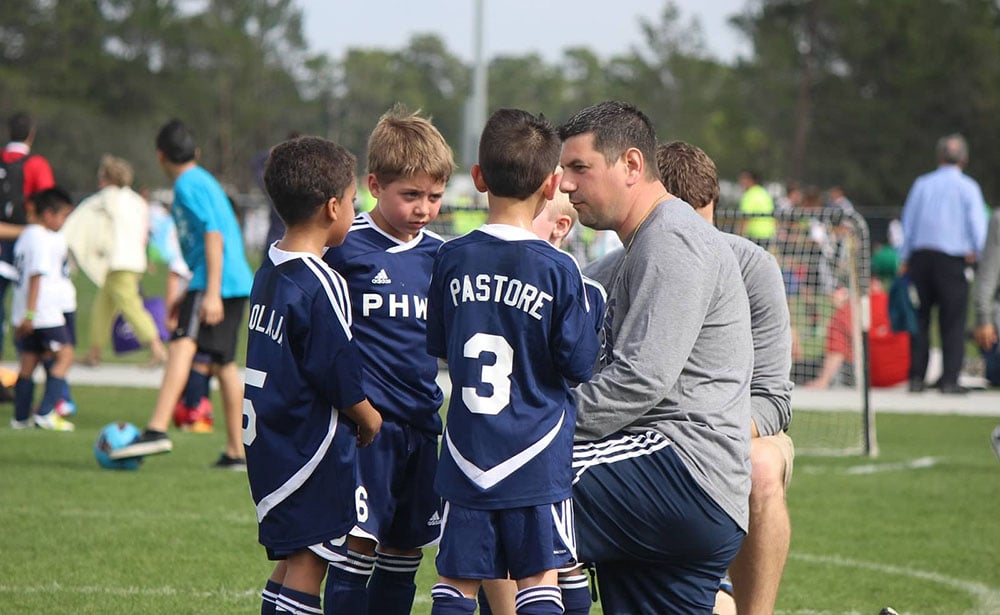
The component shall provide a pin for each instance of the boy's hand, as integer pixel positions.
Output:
(211, 311)
(24, 329)
(369, 429)
(368, 420)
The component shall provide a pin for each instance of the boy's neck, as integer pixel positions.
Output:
(514, 212)
(304, 239)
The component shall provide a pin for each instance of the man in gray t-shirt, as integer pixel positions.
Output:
(663, 428)
(690, 173)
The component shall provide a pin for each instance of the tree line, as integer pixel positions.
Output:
(847, 92)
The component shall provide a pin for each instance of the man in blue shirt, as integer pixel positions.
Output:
(944, 230)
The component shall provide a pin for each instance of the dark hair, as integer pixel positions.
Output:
(616, 126)
(176, 141)
(688, 173)
(752, 174)
(20, 126)
(54, 199)
(517, 151)
(302, 174)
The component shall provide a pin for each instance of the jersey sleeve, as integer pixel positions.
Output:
(575, 344)
(331, 362)
(436, 346)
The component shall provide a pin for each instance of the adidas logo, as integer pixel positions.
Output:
(381, 277)
(434, 520)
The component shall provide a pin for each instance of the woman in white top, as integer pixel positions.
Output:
(107, 235)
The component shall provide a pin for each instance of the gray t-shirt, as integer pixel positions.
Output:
(770, 326)
(679, 353)
(770, 385)
(988, 277)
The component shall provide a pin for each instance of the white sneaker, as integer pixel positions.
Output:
(53, 422)
(17, 425)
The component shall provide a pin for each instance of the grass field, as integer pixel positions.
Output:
(916, 529)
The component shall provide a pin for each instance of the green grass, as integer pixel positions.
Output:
(179, 537)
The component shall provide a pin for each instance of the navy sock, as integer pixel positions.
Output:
(298, 603)
(53, 393)
(575, 593)
(484, 603)
(346, 592)
(195, 389)
(392, 588)
(269, 597)
(24, 394)
(449, 601)
(539, 600)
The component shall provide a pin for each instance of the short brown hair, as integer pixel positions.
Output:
(688, 173)
(116, 171)
(304, 173)
(404, 144)
(517, 152)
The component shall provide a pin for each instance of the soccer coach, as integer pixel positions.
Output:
(662, 453)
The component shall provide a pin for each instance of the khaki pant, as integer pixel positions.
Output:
(120, 293)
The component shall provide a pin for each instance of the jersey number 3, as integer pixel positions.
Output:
(497, 374)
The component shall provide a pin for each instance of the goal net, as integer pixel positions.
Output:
(824, 258)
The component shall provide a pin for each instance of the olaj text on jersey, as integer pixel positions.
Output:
(275, 322)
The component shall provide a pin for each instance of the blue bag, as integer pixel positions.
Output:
(902, 308)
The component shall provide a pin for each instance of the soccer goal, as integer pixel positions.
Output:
(824, 257)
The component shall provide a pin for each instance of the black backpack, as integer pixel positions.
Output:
(12, 191)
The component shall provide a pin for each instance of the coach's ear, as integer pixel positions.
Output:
(477, 178)
(635, 165)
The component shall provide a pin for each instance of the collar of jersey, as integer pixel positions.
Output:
(401, 246)
(279, 256)
(508, 232)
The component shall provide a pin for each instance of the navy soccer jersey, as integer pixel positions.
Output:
(510, 314)
(388, 281)
(302, 367)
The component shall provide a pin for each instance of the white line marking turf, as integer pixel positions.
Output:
(919, 463)
(987, 598)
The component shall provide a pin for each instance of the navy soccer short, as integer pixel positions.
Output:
(70, 318)
(659, 543)
(399, 507)
(487, 544)
(40, 341)
(216, 341)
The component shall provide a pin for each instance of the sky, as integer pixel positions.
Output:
(607, 27)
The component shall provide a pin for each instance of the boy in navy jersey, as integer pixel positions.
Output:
(510, 314)
(386, 260)
(304, 412)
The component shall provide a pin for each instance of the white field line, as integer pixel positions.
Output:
(987, 599)
(919, 463)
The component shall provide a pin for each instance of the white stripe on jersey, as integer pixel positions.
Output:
(595, 284)
(336, 291)
(486, 479)
(280, 494)
(254, 377)
(587, 454)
